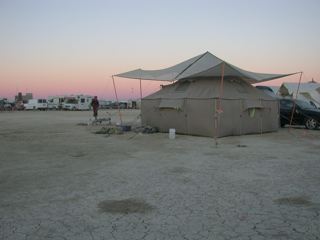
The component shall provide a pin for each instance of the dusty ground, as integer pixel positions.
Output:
(58, 180)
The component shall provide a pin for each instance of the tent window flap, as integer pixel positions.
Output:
(247, 104)
(172, 103)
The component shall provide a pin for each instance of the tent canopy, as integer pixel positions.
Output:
(204, 65)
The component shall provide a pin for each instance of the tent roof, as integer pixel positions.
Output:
(205, 88)
(204, 65)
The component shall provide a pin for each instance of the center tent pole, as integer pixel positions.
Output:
(218, 114)
(114, 85)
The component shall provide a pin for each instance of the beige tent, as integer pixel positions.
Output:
(191, 107)
(196, 105)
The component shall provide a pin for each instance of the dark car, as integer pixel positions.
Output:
(268, 91)
(304, 113)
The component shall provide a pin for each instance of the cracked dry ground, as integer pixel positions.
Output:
(60, 181)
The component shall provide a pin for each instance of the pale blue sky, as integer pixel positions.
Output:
(51, 47)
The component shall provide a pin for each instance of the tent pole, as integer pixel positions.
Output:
(140, 91)
(218, 114)
(261, 118)
(294, 105)
(240, 122)
(114, 85)
(140, 103)
(186, 115)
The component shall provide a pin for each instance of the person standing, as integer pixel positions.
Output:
(95, 106)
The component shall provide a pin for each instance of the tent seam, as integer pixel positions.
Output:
(190, 65)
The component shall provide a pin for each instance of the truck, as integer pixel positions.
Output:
(77, 102)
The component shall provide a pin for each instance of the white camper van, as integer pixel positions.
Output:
(55, 102)
(35, 104)
(77, 102)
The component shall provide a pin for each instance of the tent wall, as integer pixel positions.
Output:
(199, 118)
(193, 115)
(200, 115)
(150, 113)
(172, 118)
(251, 124)
(230, 121)
(270, 120)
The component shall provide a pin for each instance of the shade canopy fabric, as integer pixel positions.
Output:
(204, 65)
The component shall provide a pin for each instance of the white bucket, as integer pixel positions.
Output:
(172, 133)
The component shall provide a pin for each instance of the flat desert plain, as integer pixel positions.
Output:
(60, 180)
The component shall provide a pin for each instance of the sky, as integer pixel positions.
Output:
(56, 47)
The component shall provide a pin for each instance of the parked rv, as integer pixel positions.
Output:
(77, 102)
(36, 104)
(55, 102)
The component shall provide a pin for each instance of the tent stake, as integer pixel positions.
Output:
(114, 85)
(216, 131)
(294, 105)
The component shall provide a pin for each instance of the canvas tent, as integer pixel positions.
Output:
(307, 91)
(195, 104)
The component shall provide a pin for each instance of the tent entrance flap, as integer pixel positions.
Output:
(172, 103)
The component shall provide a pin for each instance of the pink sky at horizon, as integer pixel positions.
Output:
(74, 47)
(125, 88)
(103, 87)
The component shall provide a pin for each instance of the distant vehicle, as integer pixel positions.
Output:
(304, 114)
(7, 106)
(77, 102)
(104, 104)
(55, 102)
(115, 105)
(269, 91)
(132, 104)
(3, 102)
(36, 104)
(18, 106)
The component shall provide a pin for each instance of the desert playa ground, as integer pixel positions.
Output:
(59, 180)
